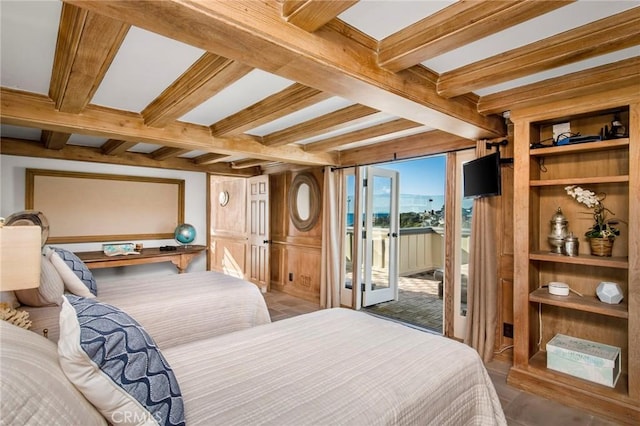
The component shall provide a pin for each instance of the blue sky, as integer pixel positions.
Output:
(423, 176)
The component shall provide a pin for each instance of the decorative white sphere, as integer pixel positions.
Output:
(609, 292)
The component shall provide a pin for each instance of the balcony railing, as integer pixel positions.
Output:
(420, 249)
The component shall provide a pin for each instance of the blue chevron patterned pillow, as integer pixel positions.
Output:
(78, 268)
(114, 362)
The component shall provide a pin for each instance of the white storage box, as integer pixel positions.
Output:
(588, 360)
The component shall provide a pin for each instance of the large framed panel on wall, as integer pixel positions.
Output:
(91, 207)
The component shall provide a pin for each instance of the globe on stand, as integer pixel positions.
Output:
(185, 234)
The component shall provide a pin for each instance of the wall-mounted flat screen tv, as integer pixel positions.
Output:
(481, 176)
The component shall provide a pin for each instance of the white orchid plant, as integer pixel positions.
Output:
(603, 227)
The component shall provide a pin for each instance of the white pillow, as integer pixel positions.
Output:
(50, 291)
(71, 281)
(34, 388)
(114, 362)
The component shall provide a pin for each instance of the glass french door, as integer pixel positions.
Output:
(380, 246)
(370, 264)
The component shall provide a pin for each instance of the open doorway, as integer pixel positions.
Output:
(421, 244)
(421, 241)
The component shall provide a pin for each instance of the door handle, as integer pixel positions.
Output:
(394, 235)
(266, 241)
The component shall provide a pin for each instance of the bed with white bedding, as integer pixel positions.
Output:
(330, 367)
(333, 367)
(175, 308)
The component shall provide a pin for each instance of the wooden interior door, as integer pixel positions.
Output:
(258, 218)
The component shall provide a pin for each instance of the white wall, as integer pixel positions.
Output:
(12, 197)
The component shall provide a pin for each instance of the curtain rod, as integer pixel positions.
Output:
(395, 158)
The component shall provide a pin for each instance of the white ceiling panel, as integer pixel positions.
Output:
(248, 90)
(28, 133)
(308, 113)
(547, 25)
(384, 138)
(380, 19)
(84, 140)
(373, 120)
(145, 65)
(145, 148)
(28, 34)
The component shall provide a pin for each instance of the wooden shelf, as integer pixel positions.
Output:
(585, 303)
(618, 262)
(580, 147)
(580, 181)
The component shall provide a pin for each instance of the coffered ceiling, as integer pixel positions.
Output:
(237, 87)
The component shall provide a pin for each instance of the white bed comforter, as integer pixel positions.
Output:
(176, 309)
(333, 367)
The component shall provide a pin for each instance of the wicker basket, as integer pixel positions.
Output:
(601, 246)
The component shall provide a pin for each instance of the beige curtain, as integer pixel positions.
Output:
(482, 285)
(331, 239)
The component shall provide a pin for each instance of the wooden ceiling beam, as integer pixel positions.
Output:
(326, 60)
(313, 14)
(604, 78)
(167, 152)
(116, 147)
(418, 145)
(454, 26)
(26, 148)
(54, 140)
(598, 38)
(387, 128)
(336, 120)
(87, 43)
(206, 77)
(287, 101)
(33, 110)
(249, 162)
(209, 158)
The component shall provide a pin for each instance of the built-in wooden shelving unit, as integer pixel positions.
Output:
(540, 177)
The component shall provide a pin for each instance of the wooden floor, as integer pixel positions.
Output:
(520, 408)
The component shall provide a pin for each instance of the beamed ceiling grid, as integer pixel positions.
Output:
(392, 102)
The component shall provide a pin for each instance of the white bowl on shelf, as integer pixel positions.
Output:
(558, 288)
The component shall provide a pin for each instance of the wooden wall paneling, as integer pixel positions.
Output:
(277, 260)
(228, 227)
(229, 219)
(303, 263)
(504, 223)
(229, 256)
(293, 251)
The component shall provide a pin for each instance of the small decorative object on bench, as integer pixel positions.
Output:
(119, 249)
